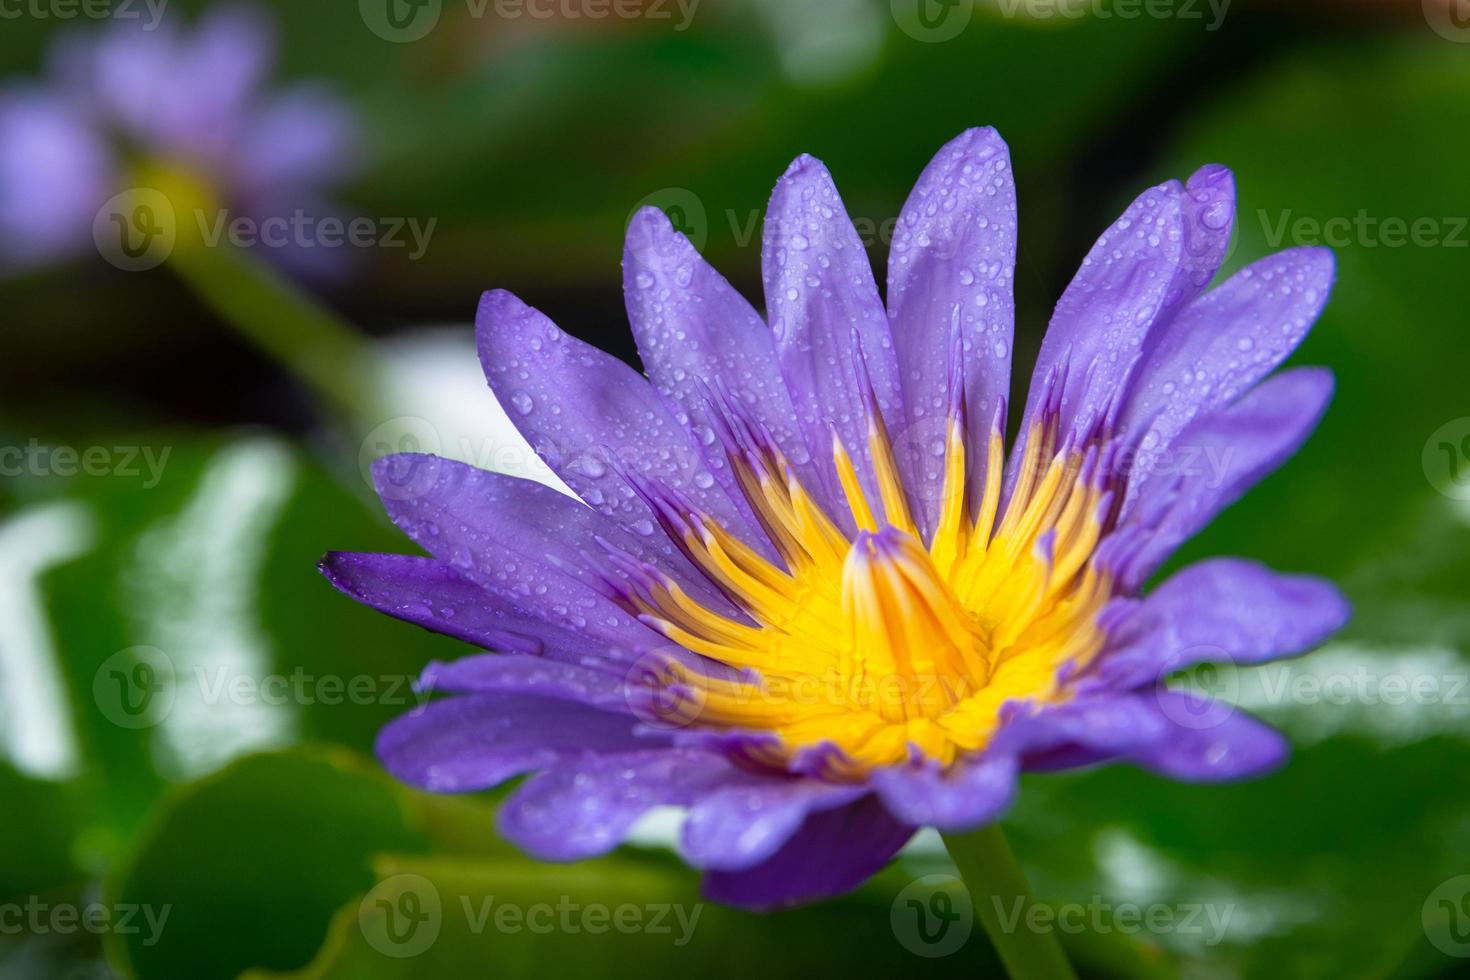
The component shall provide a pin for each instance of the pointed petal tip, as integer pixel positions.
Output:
(1315, 267)
(401, 478)
(1310, 387)
(1324, 260)
(980, 139)
(1317, 262)
(498, 307)
(1320, 377)
(330, 566)
(1341, 606)
(1211, 175)
(650, 224)
(652, 244)
(806, 172)
(344, 571)
(1329, 607)
(804, 164)
(380, 466)
(1211, 189)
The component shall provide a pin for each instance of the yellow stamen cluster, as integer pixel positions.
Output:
(876, 643)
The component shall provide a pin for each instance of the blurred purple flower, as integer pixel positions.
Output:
(126, 105)
(808, 596)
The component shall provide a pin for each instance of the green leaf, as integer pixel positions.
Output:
(640, 913)
(245, 868)
(41, 818)
(613, 917)
(210, 577)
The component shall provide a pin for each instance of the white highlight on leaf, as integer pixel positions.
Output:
(1132, 872)
(1395, 695)
(36, 727)
(194, 589)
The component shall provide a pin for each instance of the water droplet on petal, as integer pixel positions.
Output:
(1216, 216)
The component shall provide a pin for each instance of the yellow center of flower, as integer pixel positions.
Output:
(876, 644)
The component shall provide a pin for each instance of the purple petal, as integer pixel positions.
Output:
(430, 594)
(55, 172)
(520, 674)
(454, 509)
(693, 328)
(303, 137)
(531, 572)
(1226, 341)
(951, 272)
(120, 73)
(1232, 450)
(1209, 219)
(824, 308)
(219, 70)
(474, 742)
(745, 822)
(1223, 609)
(576, 405)
(1236, 746)
(1063, 758)
(586, 807)
(1089, 728)
(182, 94)
(972, 793)
(834, 852)
(1098, 329)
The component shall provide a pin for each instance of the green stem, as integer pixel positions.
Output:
(1001, 897)
(324, 351)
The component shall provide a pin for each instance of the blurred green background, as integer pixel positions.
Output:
(258, 819)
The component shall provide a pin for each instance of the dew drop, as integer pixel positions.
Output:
(1216, 216)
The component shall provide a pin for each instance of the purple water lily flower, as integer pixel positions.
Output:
(806, 593)
(188, 113)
